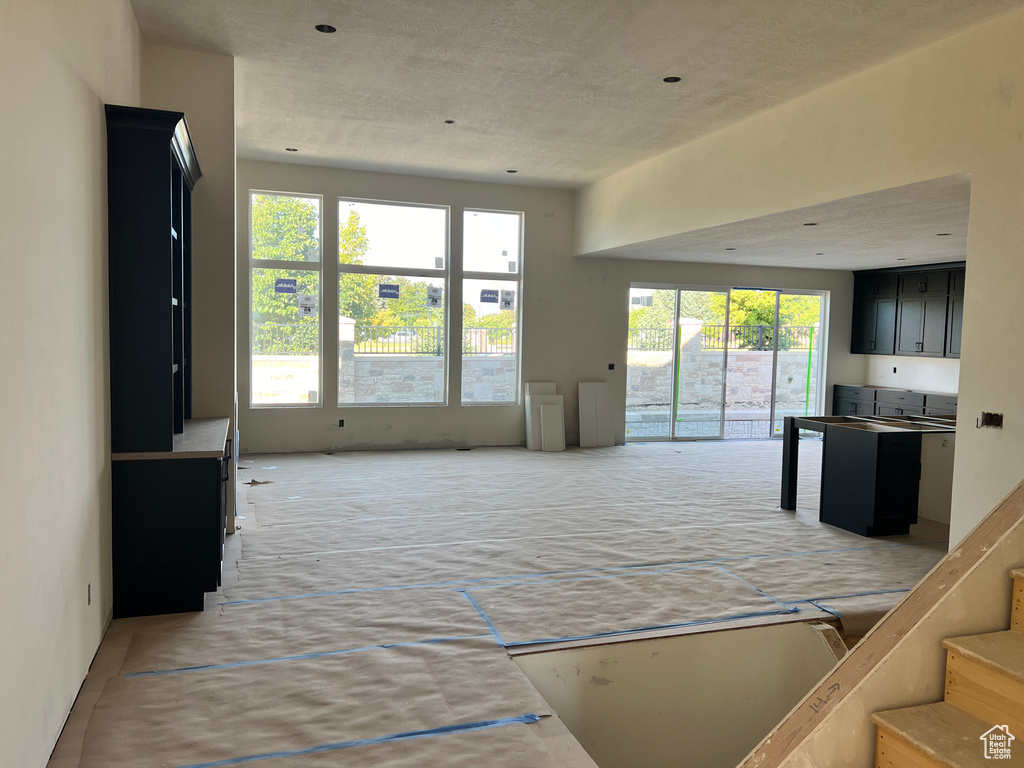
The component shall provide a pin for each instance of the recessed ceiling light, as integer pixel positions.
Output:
(325, 28)
(901, 258)
(944, 234)
(730, 249)
(672, 79)
(511, 170)
(290, 149)
(449, 122)
(810, 223)
(819, 254)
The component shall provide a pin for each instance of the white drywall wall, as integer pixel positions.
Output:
(927, 374)
(951, 107)
(59, 63)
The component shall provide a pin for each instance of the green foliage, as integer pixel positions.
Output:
(284, 228)
(699, 305)
(287, 228)
(750, 307)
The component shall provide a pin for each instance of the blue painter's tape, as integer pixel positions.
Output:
(835, 613)
(760, 591)
(483, 615)
(299, 657)
(482, 725)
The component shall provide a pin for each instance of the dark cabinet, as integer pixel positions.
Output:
(918, 283)
(921, 327)
(853, 400)
(168, 471)
(168, 521)
(870, 477)
(917, 313)
(874, 326)
(954, 325)
(151, 170)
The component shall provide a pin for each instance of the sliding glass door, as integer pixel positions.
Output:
(713, 363)
(701, 363)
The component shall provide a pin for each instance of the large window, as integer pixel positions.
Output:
(392, 298)
(284, 270)
(492, 269)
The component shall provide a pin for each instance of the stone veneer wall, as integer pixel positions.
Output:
(649, 385)
(420, 378)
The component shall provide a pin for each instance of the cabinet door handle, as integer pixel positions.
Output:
(872, 345)
(923, 286)
(919, 345)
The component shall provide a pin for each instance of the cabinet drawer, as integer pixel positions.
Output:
(900, 397)
(946, 402)
(843, 407)
(899, 410)
(846, 392)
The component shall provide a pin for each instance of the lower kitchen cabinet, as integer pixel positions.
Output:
(870, 479)
(168, 524)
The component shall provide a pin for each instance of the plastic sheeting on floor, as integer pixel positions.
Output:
(376, 592)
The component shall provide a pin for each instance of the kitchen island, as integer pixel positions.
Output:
(872, 474)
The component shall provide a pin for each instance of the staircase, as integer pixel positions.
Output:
(984, 689)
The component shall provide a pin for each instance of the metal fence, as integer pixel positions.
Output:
(303, 339)
(276, 339)
(751, 337)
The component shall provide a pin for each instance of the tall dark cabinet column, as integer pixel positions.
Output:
(168, 471)
(151, 170)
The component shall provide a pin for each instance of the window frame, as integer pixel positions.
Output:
(443, 275)
(286, 264)
(506, 277)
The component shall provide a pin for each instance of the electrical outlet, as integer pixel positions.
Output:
(894, 369)
(341, 422)
(611, 366)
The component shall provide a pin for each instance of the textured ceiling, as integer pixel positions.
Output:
(924, 223)
(564, 91)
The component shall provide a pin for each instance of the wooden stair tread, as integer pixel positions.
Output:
(1002, 650)
(942, 731)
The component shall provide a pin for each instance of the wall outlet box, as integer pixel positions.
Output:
(994, 420)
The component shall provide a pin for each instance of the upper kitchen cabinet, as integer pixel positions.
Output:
(874, 313)
(915, 313)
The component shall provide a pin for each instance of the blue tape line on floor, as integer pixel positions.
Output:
(527, 576)
(460, 728)
(483, 615)
(298, 657)
(756, 589)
